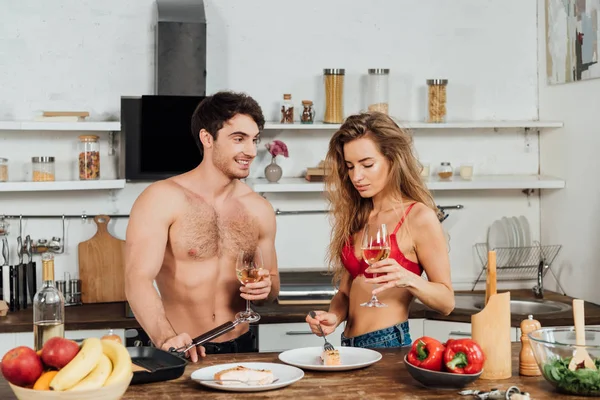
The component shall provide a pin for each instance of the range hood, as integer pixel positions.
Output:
(180, 48)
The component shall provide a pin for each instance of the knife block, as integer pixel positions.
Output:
(491, 329)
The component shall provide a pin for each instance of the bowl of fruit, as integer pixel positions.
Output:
(65, 370)
(453, 364)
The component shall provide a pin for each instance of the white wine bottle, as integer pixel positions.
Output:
(48, 306)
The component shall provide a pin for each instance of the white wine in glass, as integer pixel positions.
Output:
(375, 247)
(247, 267)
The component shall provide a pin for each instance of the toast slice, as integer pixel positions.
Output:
(243, 374)
(331, 357)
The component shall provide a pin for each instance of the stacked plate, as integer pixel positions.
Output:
(509, 234)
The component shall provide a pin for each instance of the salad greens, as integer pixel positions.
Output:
(580, 381)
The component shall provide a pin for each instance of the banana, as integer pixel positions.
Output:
(97, 377)
(121, 361)
(79, 367)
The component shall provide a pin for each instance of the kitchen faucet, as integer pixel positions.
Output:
(538, 290)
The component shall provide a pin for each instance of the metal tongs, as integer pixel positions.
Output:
(206, 337)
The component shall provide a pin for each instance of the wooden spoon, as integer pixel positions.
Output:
(580, 355)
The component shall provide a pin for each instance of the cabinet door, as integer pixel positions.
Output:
(416, 327)
(80, 335)
(444, 330)
(280, 337)
(8, 342)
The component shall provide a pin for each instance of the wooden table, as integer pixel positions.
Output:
(387, 379)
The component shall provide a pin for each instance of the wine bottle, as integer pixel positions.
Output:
(48, 306)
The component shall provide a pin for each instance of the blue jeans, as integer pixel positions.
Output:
(394, 336)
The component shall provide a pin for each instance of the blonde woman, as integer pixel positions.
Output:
(375, 179)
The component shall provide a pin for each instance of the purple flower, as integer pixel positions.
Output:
(276, 148)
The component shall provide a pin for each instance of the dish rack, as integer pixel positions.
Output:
(518, 263)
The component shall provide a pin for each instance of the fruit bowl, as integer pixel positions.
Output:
(440, 380)
(111, 392)
(553, 349)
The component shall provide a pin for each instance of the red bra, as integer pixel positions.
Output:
(357, 267)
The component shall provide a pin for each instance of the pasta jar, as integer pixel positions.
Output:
(437, 99)
(334, 95)
(308, 113)
(42, 169)
(89, 157)
(378, 90)
(3, 169)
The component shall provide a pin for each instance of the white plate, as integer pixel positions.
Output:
(498, 237)
(285, 374)
(350, 358)
(526, 230)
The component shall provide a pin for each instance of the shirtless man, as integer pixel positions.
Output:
(185, 233)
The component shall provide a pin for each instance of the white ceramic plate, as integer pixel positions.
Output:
(285, 375)
(498, 237)
(526, 230)
(350, 358)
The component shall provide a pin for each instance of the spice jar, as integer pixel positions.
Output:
(3, 169)
(308, 114)
(89, 157)
(287, 110)
(445, 171)
(437, 99)
(43, 169)
(334, 95)
(378, 90)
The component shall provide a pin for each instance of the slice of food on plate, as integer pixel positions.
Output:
(240, 373)
(331, 357)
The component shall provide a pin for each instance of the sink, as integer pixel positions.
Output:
(517, 306)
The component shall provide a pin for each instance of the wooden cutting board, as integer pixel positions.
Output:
(102, 266)
(491, 328)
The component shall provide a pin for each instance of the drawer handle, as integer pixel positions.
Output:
(459, 333)
(296, 333)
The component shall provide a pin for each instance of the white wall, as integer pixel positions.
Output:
(570, 216)
(85, 55)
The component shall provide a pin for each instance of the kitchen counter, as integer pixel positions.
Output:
(387, 379)
(112, 315)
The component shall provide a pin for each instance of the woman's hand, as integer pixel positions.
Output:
(327, 320)
(390, 275)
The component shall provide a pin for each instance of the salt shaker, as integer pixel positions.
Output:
(527, 364)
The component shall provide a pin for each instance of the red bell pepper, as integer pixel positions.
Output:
(463, 356)
(426, 353)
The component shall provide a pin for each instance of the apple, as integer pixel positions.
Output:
(58, 352)
(21, 366)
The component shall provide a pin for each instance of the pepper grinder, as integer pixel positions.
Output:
(527, 364)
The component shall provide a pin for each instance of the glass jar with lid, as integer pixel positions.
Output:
(436, 100)
(287, 109)
(445, 171)
(42, 169)
(334, 95)
(3, 169)
(378, 90)
(308, 112)
(89, 157)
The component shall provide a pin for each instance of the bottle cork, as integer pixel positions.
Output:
(527, 364)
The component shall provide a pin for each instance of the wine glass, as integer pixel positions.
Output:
(247, 267)
(375, 247)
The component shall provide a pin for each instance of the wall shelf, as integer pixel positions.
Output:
(482, 182)
(59, 126)
(62, 185)
(425, 125)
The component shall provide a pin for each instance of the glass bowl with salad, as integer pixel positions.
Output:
(553, 349)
